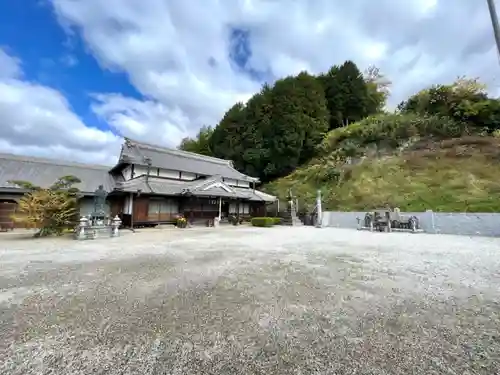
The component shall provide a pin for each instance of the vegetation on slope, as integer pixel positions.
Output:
(330, 132)
(456, 175)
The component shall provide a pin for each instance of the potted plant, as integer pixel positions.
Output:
(180, 222)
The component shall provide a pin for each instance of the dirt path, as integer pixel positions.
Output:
(251, 301)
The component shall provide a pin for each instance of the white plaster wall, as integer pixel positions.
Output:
(188, 176)
(230, 181)
(169, 173)
(127, 172)
(140, 170)
(233, 182)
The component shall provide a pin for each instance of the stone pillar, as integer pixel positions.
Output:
(84, 223)
(115, 226)
(319, 210)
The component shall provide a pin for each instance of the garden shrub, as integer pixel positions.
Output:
(263, 221)
(277, 220)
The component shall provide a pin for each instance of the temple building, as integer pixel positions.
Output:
(149, 185)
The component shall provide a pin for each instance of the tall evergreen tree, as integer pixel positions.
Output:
(226, 140)
(346, 93)
(315, 114)
(258, 113)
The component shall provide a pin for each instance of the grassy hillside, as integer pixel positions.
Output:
(404, 161)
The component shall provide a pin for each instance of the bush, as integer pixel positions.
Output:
(391, 129)
(277, 220)
(263, 221)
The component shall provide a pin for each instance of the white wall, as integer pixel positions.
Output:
(188, 176)
(166, 173)
(233, 182)
(230, 181)
(127, 172)
(140, 170)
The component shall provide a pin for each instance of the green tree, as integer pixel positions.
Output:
(346, 94)
(51, 210)
(200, 144)
(226, 140)
(258, 112)
(465, 100)
(286, 135)
(314, 113)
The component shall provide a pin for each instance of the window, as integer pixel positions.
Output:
(161, 209)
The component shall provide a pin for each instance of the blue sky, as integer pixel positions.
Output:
(30, 31)
(76, 75)
(56, 58)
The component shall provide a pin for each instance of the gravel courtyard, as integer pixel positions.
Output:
(250, 301)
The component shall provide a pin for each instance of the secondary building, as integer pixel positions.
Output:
(149, 185)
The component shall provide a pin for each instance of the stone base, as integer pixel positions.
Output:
(93, 232)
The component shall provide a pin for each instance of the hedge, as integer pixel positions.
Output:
(277, 220)
(263, 221)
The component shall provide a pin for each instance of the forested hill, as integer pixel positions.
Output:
(279, 127)
(438, 150)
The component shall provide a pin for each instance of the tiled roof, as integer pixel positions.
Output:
(44, 172)
(201, 188)
(138, 153)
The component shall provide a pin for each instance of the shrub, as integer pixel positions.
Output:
(52, 210)
(277, 220)
(180, 221)
(263, 221)
(392, 129)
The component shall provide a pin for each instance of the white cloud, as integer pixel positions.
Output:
(165, 46)
(37, 120)
(10, 67)
(176, 54)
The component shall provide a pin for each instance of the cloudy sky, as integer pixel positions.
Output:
(75, 75)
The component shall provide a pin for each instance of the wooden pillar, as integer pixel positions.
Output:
(131, 206)
(238, 211)
(220, 207)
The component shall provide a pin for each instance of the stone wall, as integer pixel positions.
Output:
(469, 224)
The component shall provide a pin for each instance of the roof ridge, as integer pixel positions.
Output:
(181, 153)
(58, 162)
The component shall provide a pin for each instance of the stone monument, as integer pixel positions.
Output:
(98, 215)
(290, 217)
(98, 224)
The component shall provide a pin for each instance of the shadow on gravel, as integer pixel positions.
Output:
(329, 315)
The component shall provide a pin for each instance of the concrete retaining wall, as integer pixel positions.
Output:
(469, 224)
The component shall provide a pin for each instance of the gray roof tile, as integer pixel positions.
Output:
(44, 172)
(135, 152)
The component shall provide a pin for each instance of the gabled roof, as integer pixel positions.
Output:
(134, 152)
(213, 186)
(44, 172)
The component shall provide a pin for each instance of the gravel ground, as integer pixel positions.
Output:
(251, 301)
